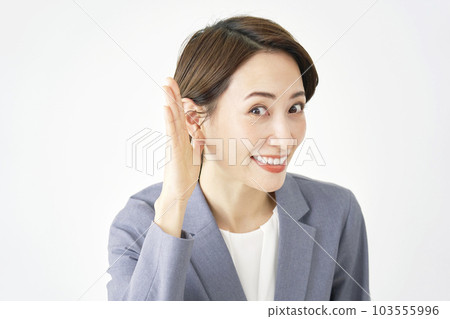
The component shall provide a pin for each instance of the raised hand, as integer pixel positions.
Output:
(182, 171)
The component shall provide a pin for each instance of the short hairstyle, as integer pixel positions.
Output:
(211, 56)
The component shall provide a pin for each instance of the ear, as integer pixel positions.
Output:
(193, 119)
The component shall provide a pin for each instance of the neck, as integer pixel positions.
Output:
(236, 206)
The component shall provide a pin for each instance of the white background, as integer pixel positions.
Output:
(70, 98)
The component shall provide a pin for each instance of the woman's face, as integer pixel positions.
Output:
(241, 120)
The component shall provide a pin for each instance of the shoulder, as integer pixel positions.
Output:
(138, 212)
(315, 190)
(328, 200)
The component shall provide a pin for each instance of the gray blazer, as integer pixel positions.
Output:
(322, 249)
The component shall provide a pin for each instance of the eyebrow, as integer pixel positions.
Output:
(272, 96)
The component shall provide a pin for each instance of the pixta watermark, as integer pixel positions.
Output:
(148, 150)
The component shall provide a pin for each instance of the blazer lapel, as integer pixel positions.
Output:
(295, 245)
(210, 256)
(212, 260)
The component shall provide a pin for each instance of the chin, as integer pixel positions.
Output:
(268, 183)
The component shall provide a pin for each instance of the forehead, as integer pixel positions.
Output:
(273, 72)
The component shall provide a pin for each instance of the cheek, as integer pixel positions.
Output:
(241, 140)
(302, 130)
(299, 132)
(298, 127)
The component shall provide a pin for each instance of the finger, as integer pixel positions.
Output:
(170, 129)
(170, 125)
(175, 118)
(176, 94)
(180, 116)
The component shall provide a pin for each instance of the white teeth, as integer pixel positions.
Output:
(270, 160)
(261, 159)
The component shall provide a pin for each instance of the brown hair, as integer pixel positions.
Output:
(213, 54)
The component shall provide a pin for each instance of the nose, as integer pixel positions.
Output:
(281, 134)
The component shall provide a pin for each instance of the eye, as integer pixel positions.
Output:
(259, 113)
(299, 106)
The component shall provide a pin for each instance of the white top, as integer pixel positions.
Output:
(254, 256)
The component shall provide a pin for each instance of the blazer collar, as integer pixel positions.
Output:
(212, 260)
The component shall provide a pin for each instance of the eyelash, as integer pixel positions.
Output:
(302, 108)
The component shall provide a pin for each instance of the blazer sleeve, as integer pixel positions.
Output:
(145, 263)
(351, 277)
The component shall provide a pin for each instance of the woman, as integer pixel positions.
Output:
(238, 226)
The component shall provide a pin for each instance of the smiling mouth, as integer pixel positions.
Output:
(273, 161)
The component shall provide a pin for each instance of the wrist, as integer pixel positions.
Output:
(169, 204)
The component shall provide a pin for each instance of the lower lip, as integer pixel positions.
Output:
(271, 168)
